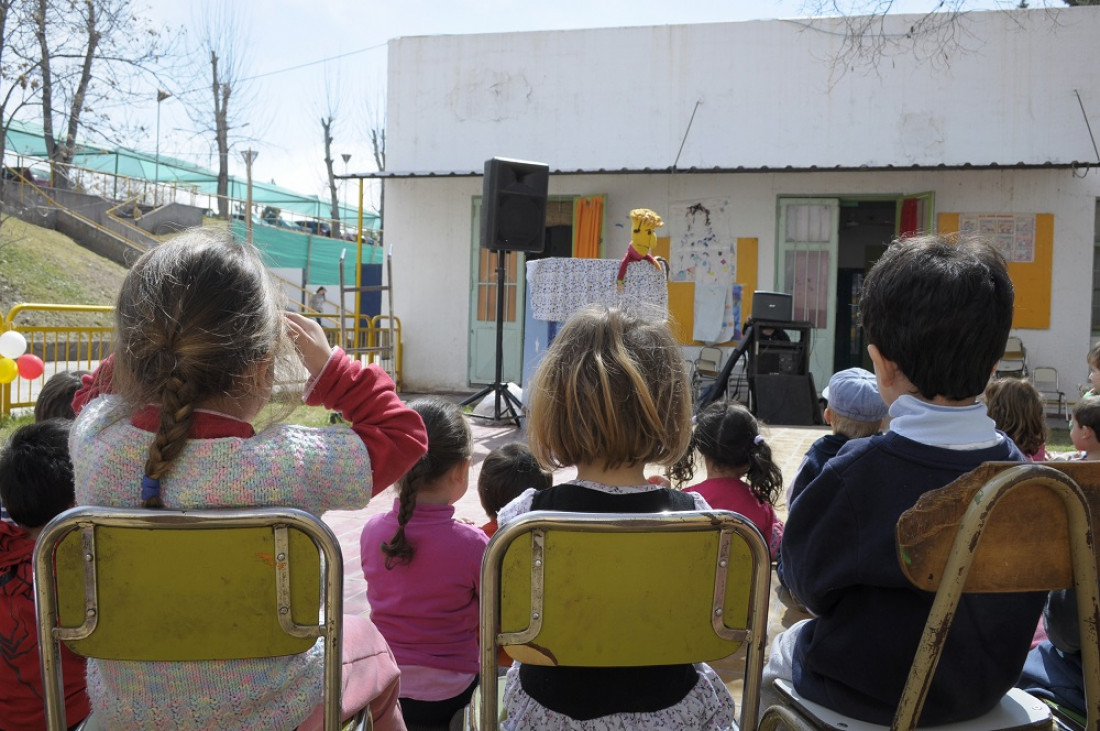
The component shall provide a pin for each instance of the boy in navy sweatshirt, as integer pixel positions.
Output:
(936, 314)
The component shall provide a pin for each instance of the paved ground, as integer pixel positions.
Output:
(788, 445)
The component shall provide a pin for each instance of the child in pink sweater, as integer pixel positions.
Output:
(423, 571)
(741, 475)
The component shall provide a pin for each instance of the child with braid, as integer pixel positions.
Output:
(200, 345)
(423, 571)
(741, 475)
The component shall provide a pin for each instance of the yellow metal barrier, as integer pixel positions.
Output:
(77, 347)
(61, 348)
(379, 337)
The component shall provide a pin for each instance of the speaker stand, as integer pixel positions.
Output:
(503, 395)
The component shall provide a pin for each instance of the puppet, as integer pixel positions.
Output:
(643, 223)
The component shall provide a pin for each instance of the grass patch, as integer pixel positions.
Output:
(43, 266)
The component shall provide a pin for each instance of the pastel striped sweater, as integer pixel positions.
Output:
(312, 468)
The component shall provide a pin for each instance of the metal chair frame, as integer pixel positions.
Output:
(539, 533)
(75, 581)
(990, 570)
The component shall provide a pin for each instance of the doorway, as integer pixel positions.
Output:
(866, 229)
(824, 248)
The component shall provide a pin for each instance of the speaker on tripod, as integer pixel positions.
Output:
(513, 218)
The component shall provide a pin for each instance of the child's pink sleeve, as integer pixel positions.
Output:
(393, 433)
(94, 384)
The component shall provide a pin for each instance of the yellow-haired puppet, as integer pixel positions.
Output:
(643, 224)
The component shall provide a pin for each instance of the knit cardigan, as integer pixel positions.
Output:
(313, 468)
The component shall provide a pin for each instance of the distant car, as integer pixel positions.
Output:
(319, 228)
(23, 174)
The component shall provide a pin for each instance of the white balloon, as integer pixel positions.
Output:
(12, 344)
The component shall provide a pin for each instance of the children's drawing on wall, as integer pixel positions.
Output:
(703, 250)
(1013, 235)
(701, 242)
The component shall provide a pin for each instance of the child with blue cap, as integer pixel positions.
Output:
(855, 410)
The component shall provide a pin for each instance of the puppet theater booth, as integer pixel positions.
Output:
(708, 290)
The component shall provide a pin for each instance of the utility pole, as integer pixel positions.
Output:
(249, 156)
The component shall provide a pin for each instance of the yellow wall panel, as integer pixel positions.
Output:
(1031, 280)
(681, 295)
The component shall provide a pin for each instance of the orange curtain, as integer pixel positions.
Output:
(587, 227)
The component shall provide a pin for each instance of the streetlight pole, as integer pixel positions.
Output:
(344, 191)
(249, 156)
(161, 96)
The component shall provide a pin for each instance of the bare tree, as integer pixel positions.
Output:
(868, 36)
(89, 53)
(20, 79)
(328, 122)
(215, 104)
(376, 133)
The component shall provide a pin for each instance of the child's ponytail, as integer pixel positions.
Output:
(729, 436)
(449, 443)
(764, 475)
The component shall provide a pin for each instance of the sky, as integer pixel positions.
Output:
(296, 49)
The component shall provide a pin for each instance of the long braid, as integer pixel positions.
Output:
(176, 412)
(399, 550)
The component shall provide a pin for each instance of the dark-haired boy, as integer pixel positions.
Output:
(505, 473)
(937, 315)
(36, 482)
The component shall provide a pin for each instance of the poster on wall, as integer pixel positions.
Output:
(1013, 235)
(703, 250)
(702, 247)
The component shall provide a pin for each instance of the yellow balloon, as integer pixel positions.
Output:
(8, 370)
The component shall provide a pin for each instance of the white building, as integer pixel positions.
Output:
(802, 166)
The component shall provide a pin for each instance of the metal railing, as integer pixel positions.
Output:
(61, 348)
(72, 347)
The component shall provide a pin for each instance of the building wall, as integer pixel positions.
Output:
(763, 93)
(430, 228)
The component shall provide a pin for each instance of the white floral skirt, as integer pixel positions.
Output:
(708, 706)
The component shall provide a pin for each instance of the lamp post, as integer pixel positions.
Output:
(249, 156)
(161, 96)
(344, 193)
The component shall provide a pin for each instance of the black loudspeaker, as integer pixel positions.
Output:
(513, 205)
(787, 400)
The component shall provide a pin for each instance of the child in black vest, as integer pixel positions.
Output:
(610, 396)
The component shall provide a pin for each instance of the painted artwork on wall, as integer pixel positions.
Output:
(1013, 235)
(703, 250)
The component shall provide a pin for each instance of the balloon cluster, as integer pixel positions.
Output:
(15, 360)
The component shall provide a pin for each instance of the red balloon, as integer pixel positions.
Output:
(30, 366)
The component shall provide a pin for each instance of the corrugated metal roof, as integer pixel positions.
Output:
(1075, 165)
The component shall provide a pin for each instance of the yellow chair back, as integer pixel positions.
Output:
(613, 590)
(161, 585)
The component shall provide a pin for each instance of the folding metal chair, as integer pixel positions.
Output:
(705, 368)
(1013, 363)
(168, 585)
(980, 534)
(655, 589)
(1045, 379)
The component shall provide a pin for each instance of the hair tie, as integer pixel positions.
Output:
(150, 487)
(758, 439)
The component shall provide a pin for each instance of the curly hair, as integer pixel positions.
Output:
(1016, 408)
(729, 436)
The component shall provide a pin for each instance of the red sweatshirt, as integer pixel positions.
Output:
(22, 704)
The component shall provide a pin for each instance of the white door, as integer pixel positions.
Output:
(807, 269)
(481, 366)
